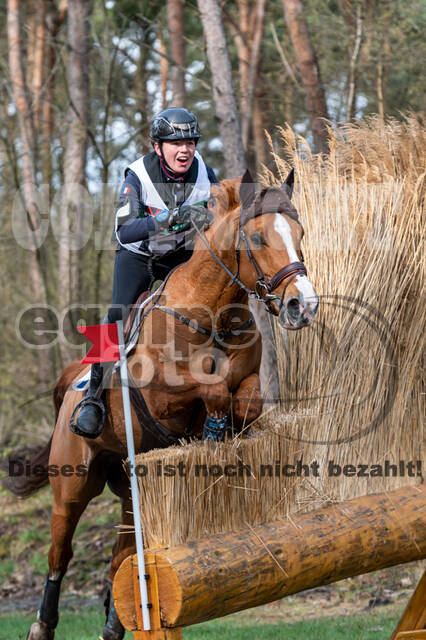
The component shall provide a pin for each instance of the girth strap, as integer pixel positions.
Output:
(154, 434)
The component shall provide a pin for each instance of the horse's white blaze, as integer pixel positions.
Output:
(302, 283)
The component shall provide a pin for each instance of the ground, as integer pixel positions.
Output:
(24, 542)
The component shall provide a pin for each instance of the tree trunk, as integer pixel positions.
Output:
(259, 133)
(38, 60)
(75, 149)
(143, 101)
(380, 92)
(256, 43)
(175, 20)
(223, 87)
(37, 254)
(353, 63)
(55, 19)
(309, 70)
(164, 71)
(247, 35)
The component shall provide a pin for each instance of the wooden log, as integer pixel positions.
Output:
(221, 574)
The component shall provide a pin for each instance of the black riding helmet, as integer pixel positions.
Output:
(174, 123)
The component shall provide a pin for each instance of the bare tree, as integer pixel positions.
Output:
(247, 34)
(256, 42)
(55, 18)
(164, 70)
(223, 87)
(27, 129)
(175, 20)
(358, 19)
(71, 206)
(309, 70)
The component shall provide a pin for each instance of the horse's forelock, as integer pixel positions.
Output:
(270, 200)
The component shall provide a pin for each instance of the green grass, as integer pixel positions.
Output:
(87, 625)
(7, 567)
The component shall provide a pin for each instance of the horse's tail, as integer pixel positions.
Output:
(28, 468)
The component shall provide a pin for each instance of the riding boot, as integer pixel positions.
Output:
(91, 418)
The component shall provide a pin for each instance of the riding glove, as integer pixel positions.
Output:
(180, 218)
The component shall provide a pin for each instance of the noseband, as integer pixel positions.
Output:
(263, 288)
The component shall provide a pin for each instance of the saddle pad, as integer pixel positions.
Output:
(132, 330)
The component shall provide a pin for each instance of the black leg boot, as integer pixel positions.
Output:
(113, 629)
(91, 418)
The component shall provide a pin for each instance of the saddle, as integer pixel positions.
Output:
(155, 434)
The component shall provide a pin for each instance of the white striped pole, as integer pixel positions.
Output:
(133, 478)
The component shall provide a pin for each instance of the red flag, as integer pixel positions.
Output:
(105, 343)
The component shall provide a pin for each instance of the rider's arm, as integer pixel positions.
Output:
(129, 226)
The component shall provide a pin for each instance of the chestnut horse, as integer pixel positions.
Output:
(198, 348)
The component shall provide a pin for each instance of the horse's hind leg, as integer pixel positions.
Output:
(71, 497)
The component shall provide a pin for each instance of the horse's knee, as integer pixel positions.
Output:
(247, 402)
(217, 398)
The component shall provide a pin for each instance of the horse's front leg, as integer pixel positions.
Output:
(217, 400)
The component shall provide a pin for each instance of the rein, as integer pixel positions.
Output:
(219, 337)
(263, 288)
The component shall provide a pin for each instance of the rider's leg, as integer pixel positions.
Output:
(131, 277)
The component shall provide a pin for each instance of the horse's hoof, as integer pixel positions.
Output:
(40, 631)
(109, 634)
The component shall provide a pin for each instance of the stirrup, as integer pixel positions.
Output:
(88, 399)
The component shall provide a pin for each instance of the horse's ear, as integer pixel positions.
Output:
(247, 190)
(288, 184)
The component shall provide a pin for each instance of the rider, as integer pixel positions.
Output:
(162, 193)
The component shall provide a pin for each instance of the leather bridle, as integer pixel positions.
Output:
(264, 287)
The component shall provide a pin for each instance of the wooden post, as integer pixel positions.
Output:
(157, 632)
(221, 574)
(412, 625)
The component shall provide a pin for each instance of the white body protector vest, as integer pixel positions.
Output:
(160, 244)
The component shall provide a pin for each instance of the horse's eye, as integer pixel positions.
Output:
(257, 240)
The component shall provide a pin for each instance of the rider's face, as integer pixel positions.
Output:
(179, 154)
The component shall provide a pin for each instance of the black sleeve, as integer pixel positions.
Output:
(211, 175)
(129, 226)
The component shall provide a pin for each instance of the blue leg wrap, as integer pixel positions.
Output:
(215, 428)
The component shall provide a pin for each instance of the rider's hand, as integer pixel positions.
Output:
(180, 218)
(196, 214)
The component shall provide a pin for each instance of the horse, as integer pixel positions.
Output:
(198, 353)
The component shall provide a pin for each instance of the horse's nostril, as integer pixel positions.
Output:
(293, 307)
